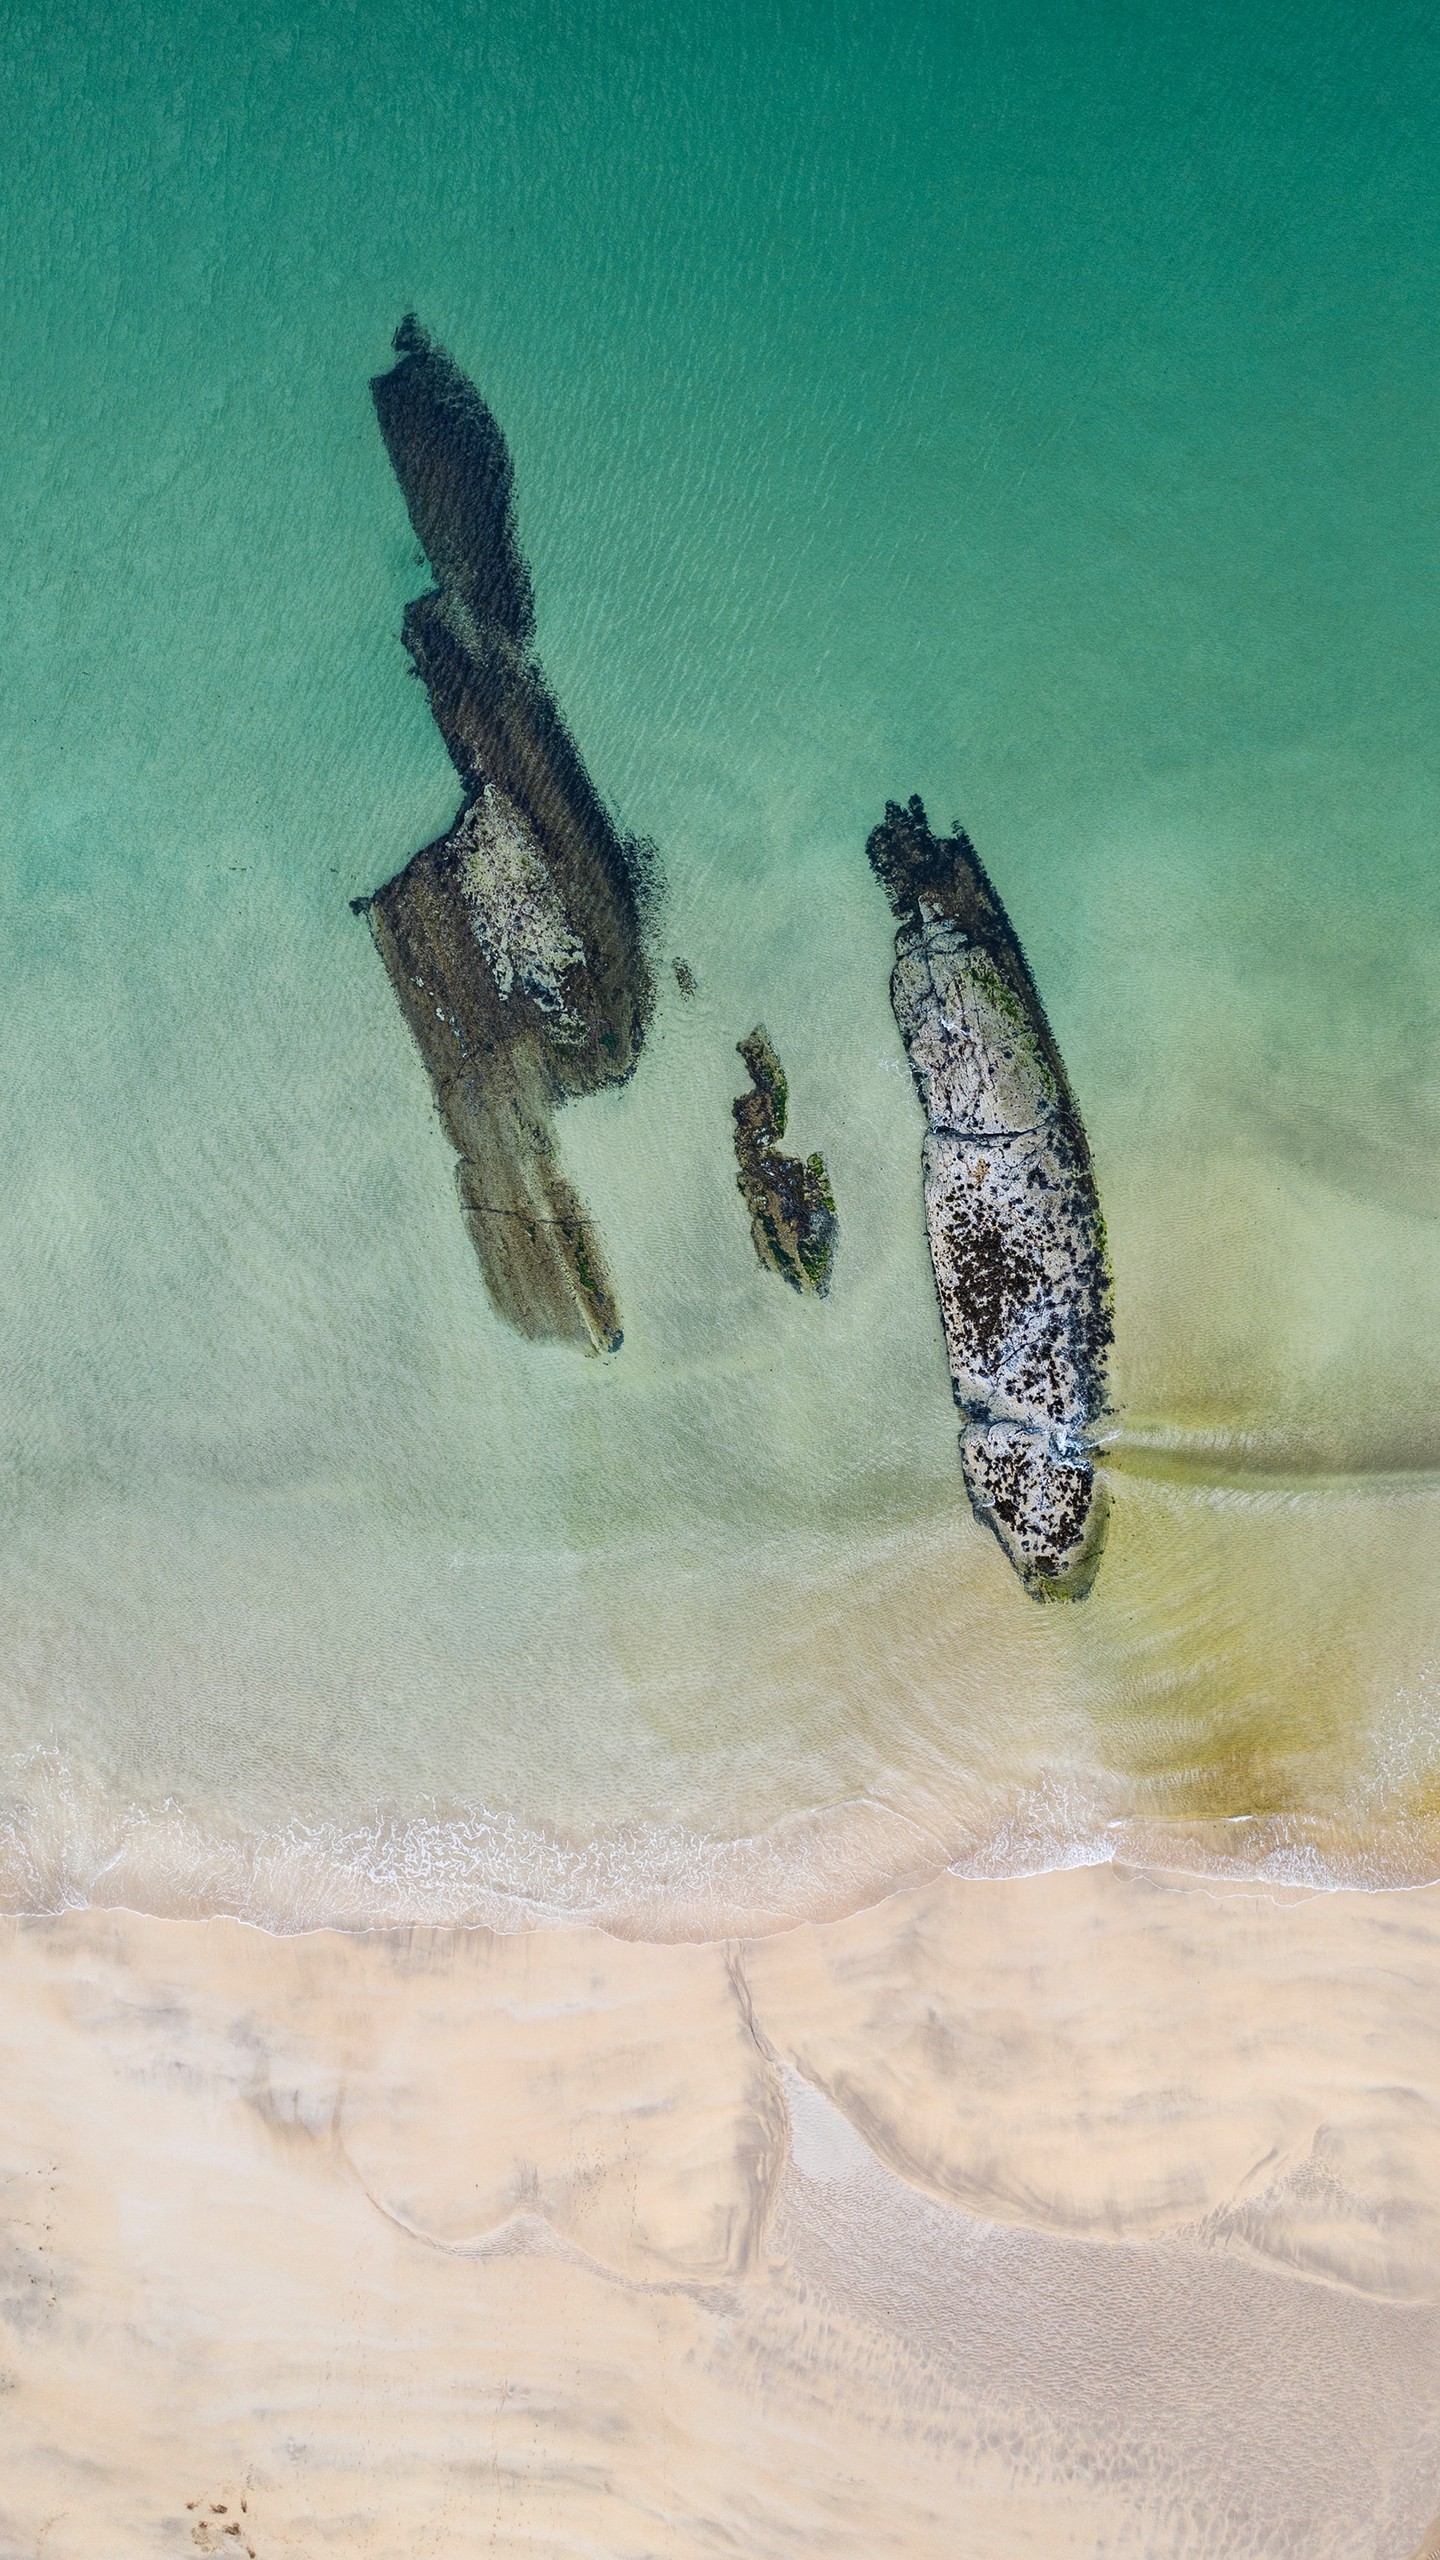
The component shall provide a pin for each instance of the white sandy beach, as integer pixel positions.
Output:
(1097, 2212)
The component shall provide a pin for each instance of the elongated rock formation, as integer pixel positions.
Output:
(792, 1210)
(1016, 1237)
(515, 943)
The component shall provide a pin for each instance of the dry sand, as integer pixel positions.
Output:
(1095, 2213)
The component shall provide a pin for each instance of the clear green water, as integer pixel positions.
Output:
(1033, 408)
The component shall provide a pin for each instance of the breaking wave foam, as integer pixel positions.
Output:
(67, 1842)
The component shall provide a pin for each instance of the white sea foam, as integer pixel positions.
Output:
(67, 1841)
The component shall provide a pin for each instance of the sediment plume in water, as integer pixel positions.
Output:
(515, 943)
(1016, 1238)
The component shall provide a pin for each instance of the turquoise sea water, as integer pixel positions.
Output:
(1031, 408)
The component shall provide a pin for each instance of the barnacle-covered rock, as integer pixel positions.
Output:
(1016, 1238)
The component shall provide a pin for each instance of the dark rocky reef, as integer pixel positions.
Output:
(1017, 1241)
(516, 942)
(792, 1211)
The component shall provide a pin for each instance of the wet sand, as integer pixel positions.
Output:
(1098, 2211)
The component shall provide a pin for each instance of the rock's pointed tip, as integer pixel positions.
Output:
(904, 855)
(410, 338)
(1046, 1508)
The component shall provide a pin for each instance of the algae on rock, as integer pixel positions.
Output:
(792, 1209)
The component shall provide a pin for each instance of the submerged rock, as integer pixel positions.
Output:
(792, 1210)
(515, 943)
(1016, 1237)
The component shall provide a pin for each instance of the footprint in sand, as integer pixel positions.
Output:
(222, 2525)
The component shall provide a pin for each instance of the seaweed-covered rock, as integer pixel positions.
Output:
(1016, 1238)
(516, 942)
(792, 1210)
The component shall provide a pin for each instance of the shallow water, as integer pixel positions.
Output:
(1034, 416)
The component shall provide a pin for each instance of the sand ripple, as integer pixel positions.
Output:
(1103, 2203)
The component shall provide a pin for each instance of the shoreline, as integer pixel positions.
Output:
(822, 1721)
(641, 1884)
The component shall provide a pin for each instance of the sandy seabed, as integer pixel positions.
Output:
(1092, 2213)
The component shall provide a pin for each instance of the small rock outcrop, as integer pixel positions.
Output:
(1016, 1237)
(515, 943)
(792, 1210)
